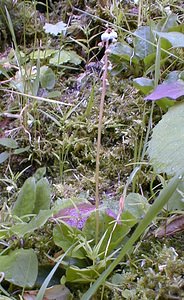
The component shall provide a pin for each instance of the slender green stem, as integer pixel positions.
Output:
(104, 87)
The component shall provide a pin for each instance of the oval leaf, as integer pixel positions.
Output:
(47, 78)
(136, 204)
(142, 46)
(165, 148)
(43, 195)
(8, 142)
(26, 199)
(36, 223)
(60, 57)
(20, 267)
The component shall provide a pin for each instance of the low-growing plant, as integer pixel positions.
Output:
(11, 149)
(87, 242)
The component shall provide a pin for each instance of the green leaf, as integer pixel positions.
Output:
(36, 223)
(122, 52)
(175, 38)
(142, 46)
(137, 205)
(9, 143)
(84, 275)
(21, 150)
(144, 84)
(113, 232)
(25, 202)
(43, 195)
(4, 156)
(128, 218)
(74, 58)
(165, 148)
(20, 267)
(47, 78)
(65, 236)
(176, 202)
(40, 172)
(149, 62)
(60, 58)
(166, 24)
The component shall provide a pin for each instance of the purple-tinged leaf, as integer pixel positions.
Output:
(77, 216)
(172, 90)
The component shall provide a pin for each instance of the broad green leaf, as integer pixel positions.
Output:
(177, 28)
(142, 47)
(114, 232)
(137, 205)
(175, 38)
(65, 236)
(43, 195)
(36, 223)
(9, 143)
(47, 78)
(89, 228)
(165, 148)
(25, 202)
(149, 62)
(145, 85)
(166, 24)
(75, 58)
(4, 156)
(128, 218)
(176, 202)
(165, 104)
(122, 52)
(60, 58)
(20, 267)
(166, 45)
(84, 275)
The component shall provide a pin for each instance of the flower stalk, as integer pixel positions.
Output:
(108, 36)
